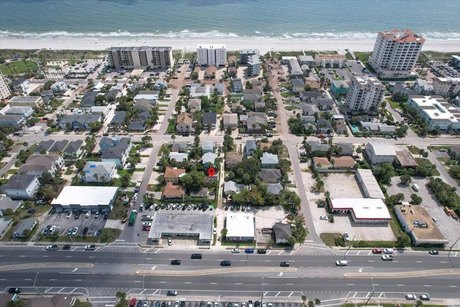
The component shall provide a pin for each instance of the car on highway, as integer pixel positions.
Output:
(387, 257)
(284, 264)
(235, 251)
(14, 290)
(411, 297)
(52, 247)
(388, 251)
(341, 263)
(171, 293)
(175, 262)
(434, 252)
(425, 297)
(261, 251)
(377, 251)
(225, 263)
(90, 247)
(196, 256)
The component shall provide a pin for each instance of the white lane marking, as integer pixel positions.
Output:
(291, 294)
(213, 283)
(357, 254)
(370, 260)
(238, 283)
(419, 261)
(277, 294)
(289, 284)
(45, 256)
(162, 282)
(267, 260)
(427, 286)
(138, 281)
(400, 285)
(68, 256)
(22, 256)
(53, 279)
(188, 282)
(2, 279)
(148, 258)
(28, 279)
(442, 261)
(452, 286)
(77, 279)
(350, 284)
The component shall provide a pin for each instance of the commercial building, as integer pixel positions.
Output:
(5, 91)
(362, 210)
(436, 112)
(395, 53)
(240, 227)
(140, 57)
(380, 152)
(85, 198)
(369, 185)
(447, 87)
(417, 222)
(182, 225)
(364, 94)
(211, 55)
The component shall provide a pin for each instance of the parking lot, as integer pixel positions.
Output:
(65, 224)
(211, 304)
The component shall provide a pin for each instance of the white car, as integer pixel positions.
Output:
(323, 218)
(346, 236)
(68, 215)
(387, 257)
(341, 263)
(425, 297)
(411, 297)
(88, 214)
(235, 251)
(90, 247)
(388, 251)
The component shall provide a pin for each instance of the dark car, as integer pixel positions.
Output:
(182, 304)
(196, 256)
(261, 251)
(85, 231)
(66, 247)
(77, 215)
(171, 293)
(434, 252)
(14, 290)
(175, 262)
(225, 263)
(285, 264)
(163, 304)
(256, 304)
(249, 251)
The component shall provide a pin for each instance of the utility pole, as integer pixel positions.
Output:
(345, 254)
(450, 250)
(373, 291)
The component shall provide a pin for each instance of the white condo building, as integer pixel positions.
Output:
(211, 55)
(140, 57)
(446, 86)
(364, 94)
(436, 112)
(4, 88)
(395, 53)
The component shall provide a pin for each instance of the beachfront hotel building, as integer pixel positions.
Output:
(211, 55)
(140, 57)
(5, 91)
(364, 95)
(446, 87)
(395, 53)
(436, 112)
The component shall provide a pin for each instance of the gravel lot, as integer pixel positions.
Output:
(342, 185)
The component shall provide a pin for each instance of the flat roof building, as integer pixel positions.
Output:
(140, 57)
(85, 198)
(211, 55)
(436, 112)
(185, 225)
(240, 227)
(420, 226)
(364, 94)
(380, 152)
(369, 184)
(362, 210)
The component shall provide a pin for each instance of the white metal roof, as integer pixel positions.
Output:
(85, 196)
(240, 225)
(363, 208)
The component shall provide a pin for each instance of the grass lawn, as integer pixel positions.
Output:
(68, 172)
(413, 149)
(395, 105)
(330, 238)
(17, 68)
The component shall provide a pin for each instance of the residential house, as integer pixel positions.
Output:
(198, 90)
(207, 146)
(15, 121)
(318, 149)
(209, 120)
(47, 96)
(454, 151)
(249, 148)
(306, 60)
(297, 85)
(179, 147)
(270, 175)
(231, 187)
(24, 228)
(21, 187)
(237, 85)
(183, 123)
(345, 149)
(324, 126)
(178, 156)
(210, 72)
(209, 158)
(99, 171)
(230, 121)
(232, 159)
(74, 150)
(309, 95)
(146, 97)
(341, 128)
(171, 191)
(282, 233)
(79, 121)
(159, 85)
(321, 163)
(323, 104)
(308, 109)
(344, 162)
(269, 160)
(89, 100)
(173, 174)
(25, 112)
(38, 164)
(44, 147)
(59, 146)
(59, 87)
(100, 110)
(118, 120)
(274, 188)
(26, 101)
(194, 105)
(256, 122)
(112, 95)
(7, 203)
(115, 149)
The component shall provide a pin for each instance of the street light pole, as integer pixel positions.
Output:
(262, 298)
(373, 291)
(345, 254)
(450, 250)
(35, 281)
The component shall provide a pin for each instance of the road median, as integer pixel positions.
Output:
(44, 265)
(408, 274)
(237, 270)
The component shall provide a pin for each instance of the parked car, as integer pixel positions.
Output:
(171, 293)
(196, 256)
(434, 252)
(14, 290)
(411, 297)
(261, 251)
(90, 247)
(235, 251)
(66, 247)
(285, 264)
(388, 251)
(175, 262)
(69, 214)
(169, 241)
(425, 297)
(249, 251)
(323, 217)
(346, 236)
(225, 263)
(377, 251)
(52, 247)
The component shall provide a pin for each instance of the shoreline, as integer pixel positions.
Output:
(263, 44)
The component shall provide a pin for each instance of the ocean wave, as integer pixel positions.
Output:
(189, 34)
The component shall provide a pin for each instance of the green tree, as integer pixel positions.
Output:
(125, 180)
(290, 201)
(405, 179)
(415, 199)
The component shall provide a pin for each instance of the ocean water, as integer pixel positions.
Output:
(317, 19)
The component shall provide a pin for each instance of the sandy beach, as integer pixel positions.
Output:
(263, 44)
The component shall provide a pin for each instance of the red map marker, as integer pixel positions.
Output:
(211, 171)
